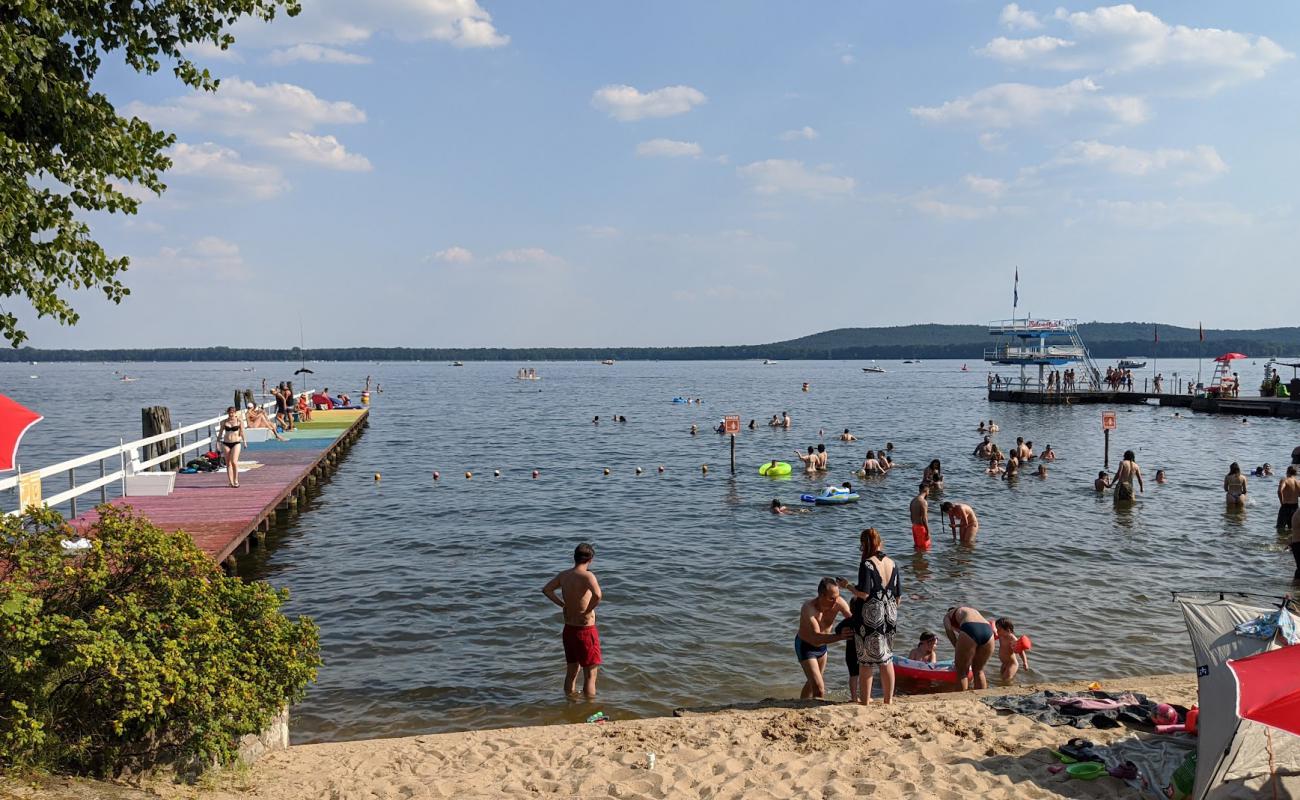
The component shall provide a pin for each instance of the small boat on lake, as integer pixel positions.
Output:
(458, 363)
(873, 368)
(609, 362)
(1129, 363)
(768, 362)
(527, 374)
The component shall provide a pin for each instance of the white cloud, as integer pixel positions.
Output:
(807, 133)
(600, 231)
(1013, 16)
(323, 151)
(454, 255)
(1193, 164)
(214, 162)
(1007, 105)
(628, 104)
(782, 176)
(245, 108)
(207, 51)
(1020, 50)
(668, 148)
(992, 141)
(211, 257)
(315, 53)
(989, 187)
(1157, 215)
(461, 23)
(958, 211)
(1120, 38)
(528, 255)
(847, 59)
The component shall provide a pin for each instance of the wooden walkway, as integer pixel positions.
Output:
(223, 521)
(1239, 406)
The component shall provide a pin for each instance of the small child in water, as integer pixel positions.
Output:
(1011, 646)
(925, 649)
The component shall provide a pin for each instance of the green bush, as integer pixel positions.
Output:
(136, 652)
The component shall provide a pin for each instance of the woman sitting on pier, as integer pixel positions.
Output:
(257, 419)
(304, 407)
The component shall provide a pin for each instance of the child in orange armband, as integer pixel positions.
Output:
(1011, 648)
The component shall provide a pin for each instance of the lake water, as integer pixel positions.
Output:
(427, 593)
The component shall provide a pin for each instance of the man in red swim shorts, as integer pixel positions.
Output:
(579, 596)
(920, 512)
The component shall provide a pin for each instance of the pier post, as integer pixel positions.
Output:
(733, 454)
(1107, 433)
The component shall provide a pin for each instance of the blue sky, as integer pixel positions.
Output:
(461, 173)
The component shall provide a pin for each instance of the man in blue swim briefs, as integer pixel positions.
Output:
(816, 624)
(972, 639)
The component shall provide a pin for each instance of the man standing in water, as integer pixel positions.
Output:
(920, 513)
(816, 626)
(1124, 475)
(962, 520)
(1288, 494)
(579, 596)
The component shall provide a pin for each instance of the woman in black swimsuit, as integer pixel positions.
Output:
(231, 437)
(972, 639)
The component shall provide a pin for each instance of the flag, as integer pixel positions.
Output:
(1201, 328)
(1015, 291)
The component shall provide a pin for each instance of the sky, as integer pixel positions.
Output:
(449, 173)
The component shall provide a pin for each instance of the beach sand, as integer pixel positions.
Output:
(940, 746)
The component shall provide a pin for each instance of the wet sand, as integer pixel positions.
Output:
(940, 746)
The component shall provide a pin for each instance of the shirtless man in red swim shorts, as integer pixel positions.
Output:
(579, 596)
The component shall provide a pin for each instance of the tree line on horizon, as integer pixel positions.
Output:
(1105, 340)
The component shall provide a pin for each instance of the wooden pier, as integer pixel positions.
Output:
(224, 521)
(1237, 406)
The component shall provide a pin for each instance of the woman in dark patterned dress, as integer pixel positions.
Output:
(878, 588)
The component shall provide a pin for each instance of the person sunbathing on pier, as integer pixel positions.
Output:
(304, 407)
(257, 419)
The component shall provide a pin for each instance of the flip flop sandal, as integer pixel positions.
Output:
(1087, 771)
(1063, 758)
(1127, 772)
(1080, 749)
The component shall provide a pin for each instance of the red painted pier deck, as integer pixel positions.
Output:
(222, 519)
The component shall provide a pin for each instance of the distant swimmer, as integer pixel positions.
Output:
(871, 465)
(1288, 495)
(886, 463)
(751, 424)
(694, 430)
(919, 511)
(816, 623)
(579, 596)
(1027, 452)
(972, 639)
(1048, 454)
(809, 461)
(595, 420)
(1127, 472)
(984, 448)
(982, 428)
(1160, 476)
(961, 518)
(993, 428)
(1013, 468)
(785, 420)
(847, 437)
(1102, 483)
(1042, 471)
(1234, 486)
(934, 474)
(995, 465)
(822, 459)
(778, 508)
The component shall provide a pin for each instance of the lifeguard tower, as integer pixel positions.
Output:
(1041, 343)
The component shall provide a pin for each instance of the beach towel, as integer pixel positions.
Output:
(1060, 708)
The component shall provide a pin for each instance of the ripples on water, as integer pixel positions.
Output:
(427, 594)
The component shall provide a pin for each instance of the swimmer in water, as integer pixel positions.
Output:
(1234, 486)
(1042, 471)
(751, 424)
(1102, 483)
(847, 437)
(871, 466)
(694, 430)
(785, 420)
(777, 508)
(1160, 476)
(993, 428)
(934, 474)
(774, 422)
(595, 420)
(809, 461)
(982, 428)
(1048, 454)
(995, 466)
(822, 459)
(984, 448)
(961, 518)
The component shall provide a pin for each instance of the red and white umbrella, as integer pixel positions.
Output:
(1267, 689)
(15, 419)
(1226, 357)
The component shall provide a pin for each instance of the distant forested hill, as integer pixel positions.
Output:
(1106, 340)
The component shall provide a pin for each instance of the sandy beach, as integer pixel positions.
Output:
(941, 746)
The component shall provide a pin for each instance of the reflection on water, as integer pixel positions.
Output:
(427, 593)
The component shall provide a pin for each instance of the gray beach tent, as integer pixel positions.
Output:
(1235, 757)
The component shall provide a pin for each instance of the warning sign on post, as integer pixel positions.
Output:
(731, 423)
(1108, 421)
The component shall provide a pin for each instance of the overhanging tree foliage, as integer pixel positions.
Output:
(65, 151)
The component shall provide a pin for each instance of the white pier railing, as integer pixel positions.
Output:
(113, 465)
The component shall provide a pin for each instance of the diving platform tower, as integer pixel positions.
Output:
(1042, 343)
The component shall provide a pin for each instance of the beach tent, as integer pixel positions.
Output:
(15, 419)
(1236, 757)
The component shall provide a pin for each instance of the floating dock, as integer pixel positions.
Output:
(1243, 406)
(224, 521)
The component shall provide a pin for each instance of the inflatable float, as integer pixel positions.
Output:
(679, 400)
(774, 469)
(924, 671)
(831, 496)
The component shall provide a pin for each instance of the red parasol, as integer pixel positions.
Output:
(1226, 357)
(1267, 691)
(15, 419)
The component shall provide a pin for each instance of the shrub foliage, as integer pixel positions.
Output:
(136, 652)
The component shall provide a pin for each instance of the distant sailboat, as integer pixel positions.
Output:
(302, 352)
